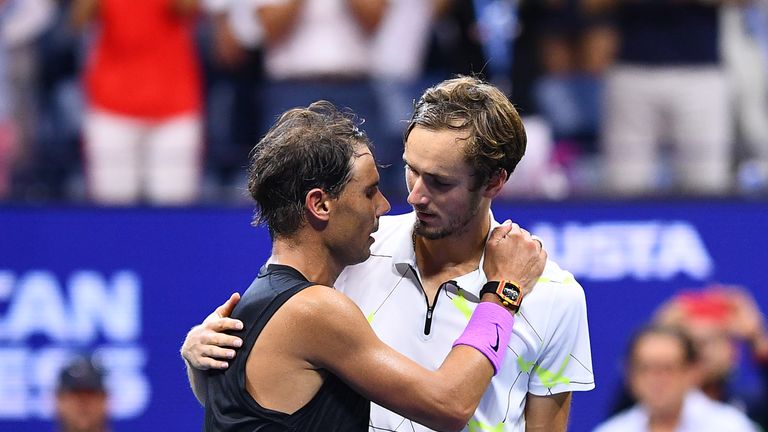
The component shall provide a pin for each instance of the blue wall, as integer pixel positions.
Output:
(130, 283)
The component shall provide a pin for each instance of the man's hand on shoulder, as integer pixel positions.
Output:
(206, 345)
(512, 254)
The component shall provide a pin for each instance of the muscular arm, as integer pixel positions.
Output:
(444, 399)
(277, 20)
(337, 338)
(368, 12)
(82, 12)
(517, 257)
(185, 7)
(547, 413)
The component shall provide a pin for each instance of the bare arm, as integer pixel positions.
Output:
(368, 12)
(206, 346)
(547, 413)
(227, 50)
(82, 12)
(444, 399)
(441, 7)
(518, 258)
(184, 7)
(278, 20)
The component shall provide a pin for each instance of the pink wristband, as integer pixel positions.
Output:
(488, 331)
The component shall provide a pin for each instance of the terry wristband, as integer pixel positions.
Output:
(488, 331)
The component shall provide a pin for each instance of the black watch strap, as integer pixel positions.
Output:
(507, 291)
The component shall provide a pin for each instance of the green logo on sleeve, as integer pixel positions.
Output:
(525, 366)
(550, 379)
(476, 426)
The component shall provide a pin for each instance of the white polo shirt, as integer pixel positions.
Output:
(548, 352)
(700, 414)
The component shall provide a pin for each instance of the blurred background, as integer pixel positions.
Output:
(125, 128)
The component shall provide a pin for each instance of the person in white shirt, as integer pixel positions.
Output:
(318, 49)
(662, 373)
(424, 276)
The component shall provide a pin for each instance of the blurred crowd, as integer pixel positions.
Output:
(160, 101)
(682, 371)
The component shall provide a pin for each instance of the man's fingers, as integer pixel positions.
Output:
(211, 357)
(538, 240)
(224, 324)
(502, 230)
(217, 353)
(544, 256)
(209, 363)
(225, 310)
(224, 340)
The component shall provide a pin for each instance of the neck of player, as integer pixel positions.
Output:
(315, 263)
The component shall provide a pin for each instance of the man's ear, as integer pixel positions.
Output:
(495, 183)
(317, 206)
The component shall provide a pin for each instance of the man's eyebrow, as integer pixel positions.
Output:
(372, 186)
(438, 176)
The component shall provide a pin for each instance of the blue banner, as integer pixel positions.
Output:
(129, 283)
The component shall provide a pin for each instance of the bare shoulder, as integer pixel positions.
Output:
(328, 323)
(322, 305)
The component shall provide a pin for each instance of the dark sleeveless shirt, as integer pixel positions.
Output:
(229, 406)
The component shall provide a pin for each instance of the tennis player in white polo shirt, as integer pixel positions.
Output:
(423, 279)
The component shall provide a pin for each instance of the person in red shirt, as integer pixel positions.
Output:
(142, 127)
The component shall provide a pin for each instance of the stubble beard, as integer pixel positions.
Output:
(457, 225)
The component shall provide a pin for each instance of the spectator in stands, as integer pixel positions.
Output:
(720, 320)
(142, 128)
(668, 85)
(744, 47)
(21, 24)
(81, 398)
(578, 45)
(319, 49)
(54, 170)
(662, 369)
(231, 49)
(7, 141)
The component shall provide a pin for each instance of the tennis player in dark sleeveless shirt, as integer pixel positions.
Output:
(310, 361)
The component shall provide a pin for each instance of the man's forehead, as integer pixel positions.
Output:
(363, 165)
(453, 132)
(436, 152)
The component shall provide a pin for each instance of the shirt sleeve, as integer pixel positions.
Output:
(565, 359)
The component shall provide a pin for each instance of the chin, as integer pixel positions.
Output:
(361, 257)
(434, 233)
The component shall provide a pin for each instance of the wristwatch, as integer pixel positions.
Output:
(508, 292)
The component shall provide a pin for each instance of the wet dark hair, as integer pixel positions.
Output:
(306, 148)
(496, 138)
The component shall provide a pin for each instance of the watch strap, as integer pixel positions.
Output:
(507, 291)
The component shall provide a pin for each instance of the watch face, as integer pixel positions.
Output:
(510, 292)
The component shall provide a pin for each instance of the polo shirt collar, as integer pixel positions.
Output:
(405, 255)
(404, 252)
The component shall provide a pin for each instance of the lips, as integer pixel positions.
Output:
(425, 217)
